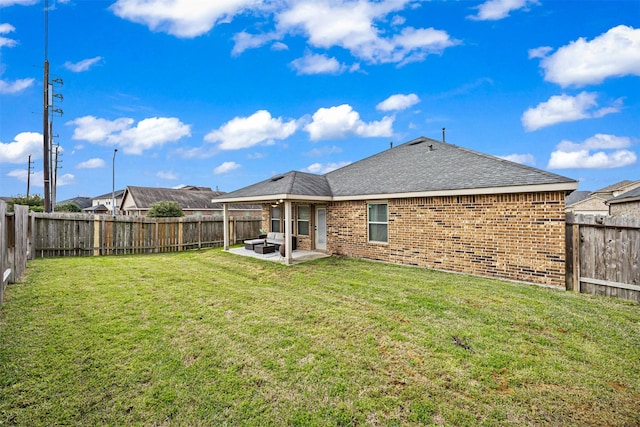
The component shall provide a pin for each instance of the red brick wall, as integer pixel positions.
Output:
(513, 236)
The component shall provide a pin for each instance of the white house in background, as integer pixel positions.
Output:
(595, 203)
(102, 204)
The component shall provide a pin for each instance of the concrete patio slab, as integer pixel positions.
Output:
(298, 255)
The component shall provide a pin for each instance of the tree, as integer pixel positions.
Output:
(165, 209)
(68, 207)
(34, 202)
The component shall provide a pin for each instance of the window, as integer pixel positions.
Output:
(378, 222)
(275, 219)
(303, 220)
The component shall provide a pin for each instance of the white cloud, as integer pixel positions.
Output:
(279, 46)
(84, 65)
(6, 3)
(615, 53)
(525, 159)
(226, 167)
(181, 18)
(91, 164)
(168, 175)
(566, 108)
(398, 102)
(16, 86)
(244, 41)
(539, 52)
(146, 134)
(23, 144)
(4, 41)
(6, 28)
(493, 10)
(352, 26)
(571, 155)
(317, 64)
(341, 121)
(37, 178)
(321, 169)
(245, 132)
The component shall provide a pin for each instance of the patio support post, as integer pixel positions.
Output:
(225, 216)
(288, 258)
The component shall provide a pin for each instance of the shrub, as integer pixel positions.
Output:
(68, 207)
(165, 209)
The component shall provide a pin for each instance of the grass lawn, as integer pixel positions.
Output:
(209, 338)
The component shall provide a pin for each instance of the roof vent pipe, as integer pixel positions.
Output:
(443, 140)
(390, 144)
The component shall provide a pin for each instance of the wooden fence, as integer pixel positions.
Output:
(15, 246)
(64, 234)
(603, 255)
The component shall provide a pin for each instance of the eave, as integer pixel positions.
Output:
(564, 186)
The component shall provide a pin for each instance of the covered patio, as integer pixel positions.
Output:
(284, 192)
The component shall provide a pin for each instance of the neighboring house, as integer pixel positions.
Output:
(595, 203)
(626, 204)
(82, 202)
(99, 209)
(425, 203)
(103, 203)
(137, 201)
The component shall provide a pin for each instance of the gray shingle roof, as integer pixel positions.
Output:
(575, 197)
(116, 194)
(613, 187)
(195, 198)
(428, 165)
(82, 202)
(418, 166)
(631, 194)
(294, 182)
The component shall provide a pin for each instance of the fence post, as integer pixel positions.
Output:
(3, 248)
(575, 243)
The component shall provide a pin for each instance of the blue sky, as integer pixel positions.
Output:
(227, 93)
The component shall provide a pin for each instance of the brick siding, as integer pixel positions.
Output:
(625, 209)
(512, 236)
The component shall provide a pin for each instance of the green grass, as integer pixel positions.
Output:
(209, 338)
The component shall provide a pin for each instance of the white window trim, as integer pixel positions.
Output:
(369, 222)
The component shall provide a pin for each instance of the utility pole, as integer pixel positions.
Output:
(30, 163)
(45, 115)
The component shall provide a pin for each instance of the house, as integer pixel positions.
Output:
(81, 202)
(103, 204)
(595, 203)
(626, 204)
(194, 200)
(424, 203)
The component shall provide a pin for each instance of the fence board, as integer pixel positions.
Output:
(605, 259)
(63, 234)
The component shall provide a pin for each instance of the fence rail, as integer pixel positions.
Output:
(64, 234)
(603, 255)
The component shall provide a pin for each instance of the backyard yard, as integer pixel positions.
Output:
(211, 338)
